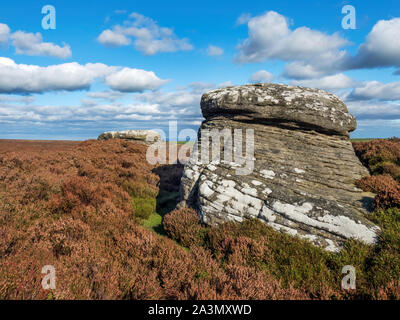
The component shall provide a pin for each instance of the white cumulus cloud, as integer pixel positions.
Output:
(261, 76)
(375, 90)
(32, 44)
(381, 47)
(110, 38)
(312, 54)
(337, 81)
(25, 79)
(147, 36)
(4, 33)
(182, 104)
(374, 110)
(134, 80)
(243, 18)
(271, 38)
(17, 99)
(22, 78)
(214, 50)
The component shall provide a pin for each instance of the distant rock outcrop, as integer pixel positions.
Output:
(304, 165)
(146, 136)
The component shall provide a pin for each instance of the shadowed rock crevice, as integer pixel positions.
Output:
(168, 195)
(304, 165)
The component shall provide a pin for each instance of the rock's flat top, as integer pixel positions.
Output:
(308, 108)
(139, 135)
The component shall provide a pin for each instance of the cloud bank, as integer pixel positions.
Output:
(32, 44)
(261, 76)
(26, 79)
(311, 54)
(147, 36)
(214, 50)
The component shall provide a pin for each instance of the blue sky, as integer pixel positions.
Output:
(115, 65)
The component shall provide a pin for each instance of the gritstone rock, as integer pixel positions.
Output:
(146, 136)
(304, 165)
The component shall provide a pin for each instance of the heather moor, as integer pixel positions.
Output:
(216, 152)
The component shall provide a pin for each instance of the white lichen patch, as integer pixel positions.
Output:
(340, 225)
(228, 183)
(350, 228)
(267, 99)
(282, 228)
(205, 189)
(251, 191)
(267, 214)
(192, 173)
(268, 174)
(267, 191)
(331, 247)
(293, 210)
(299, 170)
(236, 202)
(256, 182)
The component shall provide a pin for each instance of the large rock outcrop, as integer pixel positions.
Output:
(304, 166)
(145, 136)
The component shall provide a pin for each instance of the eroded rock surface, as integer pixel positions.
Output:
(304, 170)
(146, 136)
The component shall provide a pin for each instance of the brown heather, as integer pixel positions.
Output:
(80, 207)
(70, 205)
(382, 157)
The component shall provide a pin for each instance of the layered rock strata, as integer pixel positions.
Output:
(302, 170)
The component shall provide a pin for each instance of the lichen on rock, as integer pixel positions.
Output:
(304, 170)
(145, 136)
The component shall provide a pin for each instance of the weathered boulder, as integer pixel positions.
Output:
(146, 136)
(304, 166)
(296, 106)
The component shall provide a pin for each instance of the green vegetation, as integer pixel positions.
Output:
(382, 158)
(96, 210)
(166, 202)
(153, 222)
(295, 262)
(143, 207)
